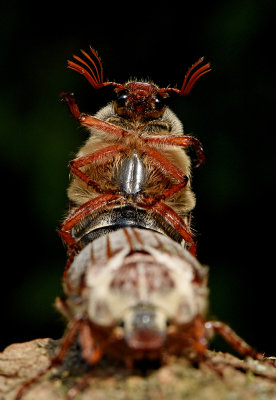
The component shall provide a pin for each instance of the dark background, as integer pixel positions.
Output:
(231, 110)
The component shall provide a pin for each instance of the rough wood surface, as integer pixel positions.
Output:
(178, 379)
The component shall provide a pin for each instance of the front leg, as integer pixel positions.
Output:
(183, 141)
(69, 100)
(92, 122)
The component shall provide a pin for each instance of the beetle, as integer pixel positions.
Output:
(137, 295)
(134, 155)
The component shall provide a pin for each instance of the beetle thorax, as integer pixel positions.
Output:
(131, 175)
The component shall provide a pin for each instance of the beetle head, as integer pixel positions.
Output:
(140, 100)
(135, 99)
(144, 327)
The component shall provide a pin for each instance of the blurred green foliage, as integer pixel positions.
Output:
(230, 110)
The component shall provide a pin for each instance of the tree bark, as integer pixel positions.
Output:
(239, 380)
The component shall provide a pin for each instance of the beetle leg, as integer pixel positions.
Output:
(183, 141)
(67, 341)
(99, 155)
(69, 100)
(72, 246)
(170, 168)
(89, 121)
(79, 387)
(106, 127)
(166, 164)
(82, 211)
(238, 344)
(91, 353)
(172, 218)
(199, 336)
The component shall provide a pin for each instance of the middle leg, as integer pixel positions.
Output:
(105, 153)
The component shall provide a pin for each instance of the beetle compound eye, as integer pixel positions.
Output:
(121, 98)
(159, 102)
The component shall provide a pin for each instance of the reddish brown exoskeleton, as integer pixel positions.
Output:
(134, 295)
(134, 157)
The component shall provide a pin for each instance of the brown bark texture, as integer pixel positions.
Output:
(178, 379)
